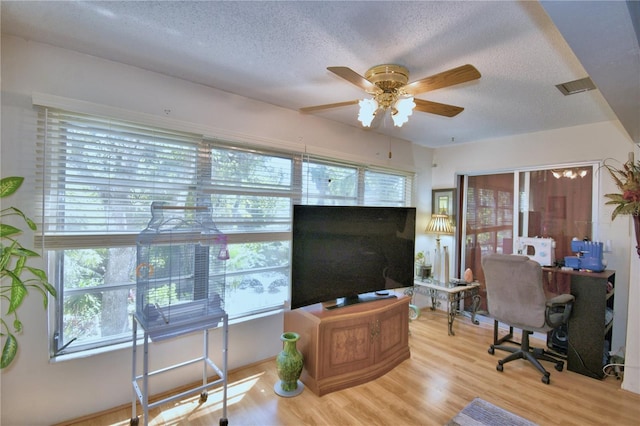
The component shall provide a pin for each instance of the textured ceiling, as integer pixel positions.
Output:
(277, 52)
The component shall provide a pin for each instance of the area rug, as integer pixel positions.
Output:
(482, 413)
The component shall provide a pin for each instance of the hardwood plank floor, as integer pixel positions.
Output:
(443, 375)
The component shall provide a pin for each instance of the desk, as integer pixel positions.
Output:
(452, 294)
(591, 321)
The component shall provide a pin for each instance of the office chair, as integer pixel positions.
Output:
(516, 297)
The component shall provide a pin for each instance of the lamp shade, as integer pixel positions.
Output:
(368, 108)
(440, 225)
(402, 110)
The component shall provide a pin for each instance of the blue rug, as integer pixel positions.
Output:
(482, 413)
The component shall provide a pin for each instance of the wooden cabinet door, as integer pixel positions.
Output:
(346, 346)
(392, 335)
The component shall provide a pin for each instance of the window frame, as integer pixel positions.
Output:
(53, 247)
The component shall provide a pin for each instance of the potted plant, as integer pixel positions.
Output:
(16, 276)
(423, 266)
(627, 201)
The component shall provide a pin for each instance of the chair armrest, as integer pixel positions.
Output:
(561, 299)
(559, 309)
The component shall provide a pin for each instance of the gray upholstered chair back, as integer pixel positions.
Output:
(515, 292)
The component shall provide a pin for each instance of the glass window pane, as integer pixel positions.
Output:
(489, 215)
(559, 206)
(100, 288)
(97, 318)
(257, 276)
(98, 293)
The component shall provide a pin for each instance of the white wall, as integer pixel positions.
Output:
(36, 391)
(631, 380)
(594, 142)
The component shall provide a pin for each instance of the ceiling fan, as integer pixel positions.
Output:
(388, 84)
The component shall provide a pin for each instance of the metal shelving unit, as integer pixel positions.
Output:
(140, 381)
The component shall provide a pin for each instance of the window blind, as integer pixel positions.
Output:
(329, 183)
(98, 177)
(251, 190)
(385, 188)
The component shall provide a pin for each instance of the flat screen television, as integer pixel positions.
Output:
(350, 254)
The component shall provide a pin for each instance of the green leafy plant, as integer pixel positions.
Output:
(16, 276)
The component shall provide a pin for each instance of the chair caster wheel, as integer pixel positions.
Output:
(560, 366)
(546, 380)
(134, 421)
(224, 422)
(203, 397)
(491, 350)
(499, 367)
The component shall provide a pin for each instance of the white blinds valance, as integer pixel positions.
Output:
(98, 177)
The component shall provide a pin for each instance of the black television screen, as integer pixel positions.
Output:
(342, 252)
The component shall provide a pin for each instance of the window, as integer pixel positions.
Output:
(489, 218)
(98, 177)
(251, 193)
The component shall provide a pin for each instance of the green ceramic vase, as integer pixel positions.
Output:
(289, 362)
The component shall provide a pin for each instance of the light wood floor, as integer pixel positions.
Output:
(443, 375)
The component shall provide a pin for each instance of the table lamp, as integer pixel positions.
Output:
(440, 225)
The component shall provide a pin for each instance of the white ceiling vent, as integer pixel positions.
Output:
(576, 86)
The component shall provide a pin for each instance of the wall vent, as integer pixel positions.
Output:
(576, 86)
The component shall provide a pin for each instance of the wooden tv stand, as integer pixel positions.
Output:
(351, 345)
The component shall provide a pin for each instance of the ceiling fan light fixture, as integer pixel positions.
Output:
(368, 108)
(388, 85)
(401, 111)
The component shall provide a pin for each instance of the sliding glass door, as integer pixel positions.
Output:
(551, 203)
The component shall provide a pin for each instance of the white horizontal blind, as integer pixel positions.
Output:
(385, 188)
(327, 183)
(252, 190)
(98, 177)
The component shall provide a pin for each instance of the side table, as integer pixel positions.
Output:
(452, 293)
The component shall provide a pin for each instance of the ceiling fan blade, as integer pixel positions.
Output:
(354, 78)
(437, 108)
(327, 106)
(448, 78)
